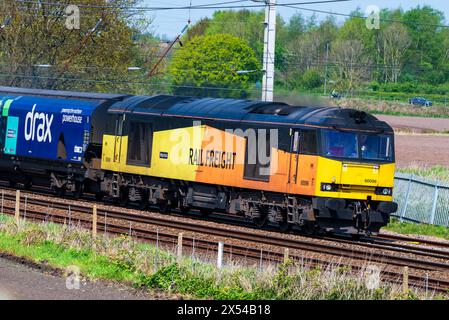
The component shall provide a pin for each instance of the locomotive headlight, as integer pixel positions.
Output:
(384, 191)
(328, 187)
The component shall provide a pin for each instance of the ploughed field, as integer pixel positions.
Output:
(423, 151)
(416, 124)
(420, 141)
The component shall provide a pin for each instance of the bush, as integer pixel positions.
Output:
(311, 79)
(209, 65)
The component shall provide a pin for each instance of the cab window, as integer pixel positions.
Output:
(139, 144)
(340, 144)
(308, 144)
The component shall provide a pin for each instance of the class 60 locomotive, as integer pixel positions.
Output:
(322, 169)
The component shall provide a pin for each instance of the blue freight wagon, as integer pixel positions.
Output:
(51, 134)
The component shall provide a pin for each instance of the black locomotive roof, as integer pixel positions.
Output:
(277, 113)
(61, 94)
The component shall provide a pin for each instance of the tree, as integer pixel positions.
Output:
(79, 59)
(244, 24)
(425, 50)
(208, 65)
(296, 26)
(305, 50)
(445, 43)
(351, 63)
(198, 29)
(247, 25)
(395, 42)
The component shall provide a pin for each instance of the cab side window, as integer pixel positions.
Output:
(140, 144)
(308, 142)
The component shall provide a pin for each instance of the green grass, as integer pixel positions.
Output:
(418, 229)
(141, 265)
(394, 108)
(435, 173)
(62, 257)
(375, 105)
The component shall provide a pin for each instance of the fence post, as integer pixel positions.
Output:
(179, 255)
(156, 256)
(286, 255)
(220, 255)
(17, 211)
(405, 280)
(434, 205)
(404, 208)
(25, 208)
(94, 222)
(70, 216)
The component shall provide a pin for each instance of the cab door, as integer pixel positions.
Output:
(292, 176)
(119, 123)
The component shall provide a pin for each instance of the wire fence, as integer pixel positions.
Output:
(421, 200)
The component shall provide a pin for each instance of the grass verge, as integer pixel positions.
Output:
(142, 265)
(394, 108)
(410, 228)
(435, 173)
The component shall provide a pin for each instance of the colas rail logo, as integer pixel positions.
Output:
(37, 126)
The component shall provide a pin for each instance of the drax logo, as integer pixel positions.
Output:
(37, 126)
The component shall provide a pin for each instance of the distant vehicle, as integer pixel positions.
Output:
(335, 95)
(420, 101)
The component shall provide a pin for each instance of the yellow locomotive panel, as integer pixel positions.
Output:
(355, 180)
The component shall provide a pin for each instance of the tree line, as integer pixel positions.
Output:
(220, 55)
(409, 49)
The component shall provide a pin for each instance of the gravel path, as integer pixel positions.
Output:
(20, 281)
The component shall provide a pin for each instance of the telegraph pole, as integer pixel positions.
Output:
(325, 74)
(268, 52)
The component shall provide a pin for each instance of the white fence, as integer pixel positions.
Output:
(420, 200)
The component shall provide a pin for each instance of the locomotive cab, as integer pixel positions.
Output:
(355, 177)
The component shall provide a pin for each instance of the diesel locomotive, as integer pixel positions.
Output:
(320, 168)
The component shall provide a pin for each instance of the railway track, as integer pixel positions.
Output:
(131, 221)
(267, 239)
(276, 240)
(417, 241)
(404, 244)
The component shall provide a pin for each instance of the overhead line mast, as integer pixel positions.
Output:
(269, 50)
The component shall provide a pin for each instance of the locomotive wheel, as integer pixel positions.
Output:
(123, 199)
(260, 222)
(309, 229)
(356, 236)
(99, 196)
(284, 226)
(27, 185)
(263, 216)
(58, 191)
(164, 206)
(184, 209)
(143, 204)
(205, 212)
(79, 188)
